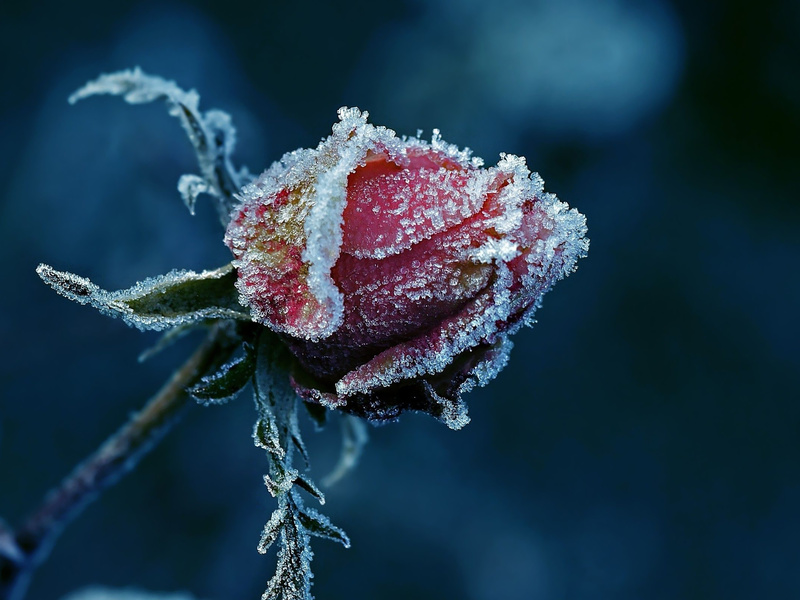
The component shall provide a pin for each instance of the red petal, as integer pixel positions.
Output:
(390, 208)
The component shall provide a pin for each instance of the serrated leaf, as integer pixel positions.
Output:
(226, 383)
(309, 486)
(280, 481)
(265, 435)
(177, 298)
(320, 526)
(292, 579)
(272, 529)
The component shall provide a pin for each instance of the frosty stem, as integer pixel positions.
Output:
(22, 551)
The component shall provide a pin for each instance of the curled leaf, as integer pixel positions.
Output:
(226, 383)
(190, 187)
(211, 133)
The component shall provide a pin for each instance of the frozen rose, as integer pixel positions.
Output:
(395, 269)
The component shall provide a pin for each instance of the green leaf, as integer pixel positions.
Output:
(280, 480)
(177, 298)
(267, 436)
(226, 383)
(310, 487)
(319, 525)
(272, 529)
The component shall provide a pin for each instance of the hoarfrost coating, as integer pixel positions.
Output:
(391, 263)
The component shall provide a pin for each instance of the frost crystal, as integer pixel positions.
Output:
(396, 268)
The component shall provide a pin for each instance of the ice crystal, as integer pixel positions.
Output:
(385, 260)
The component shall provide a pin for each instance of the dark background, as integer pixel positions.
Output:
(642, 443)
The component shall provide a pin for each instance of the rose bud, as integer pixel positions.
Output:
(395, 269)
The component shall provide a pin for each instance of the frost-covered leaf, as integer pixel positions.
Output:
(320, 526)
(265, 435)
(273, 364)
(277, 431)
(280, 480)
(276, 400)
(226, 383)
(212, 134)
(177, 298)
(354, 437)
(292, 579)
(452, 411)
(309, 486)
(272, 529)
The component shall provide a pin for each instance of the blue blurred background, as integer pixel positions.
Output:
(642, 443)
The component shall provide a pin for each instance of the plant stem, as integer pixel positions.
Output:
(22, 551)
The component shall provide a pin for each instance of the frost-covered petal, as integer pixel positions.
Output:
(395, 269)
(287, 234)
(427, 354)
(391, 207)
